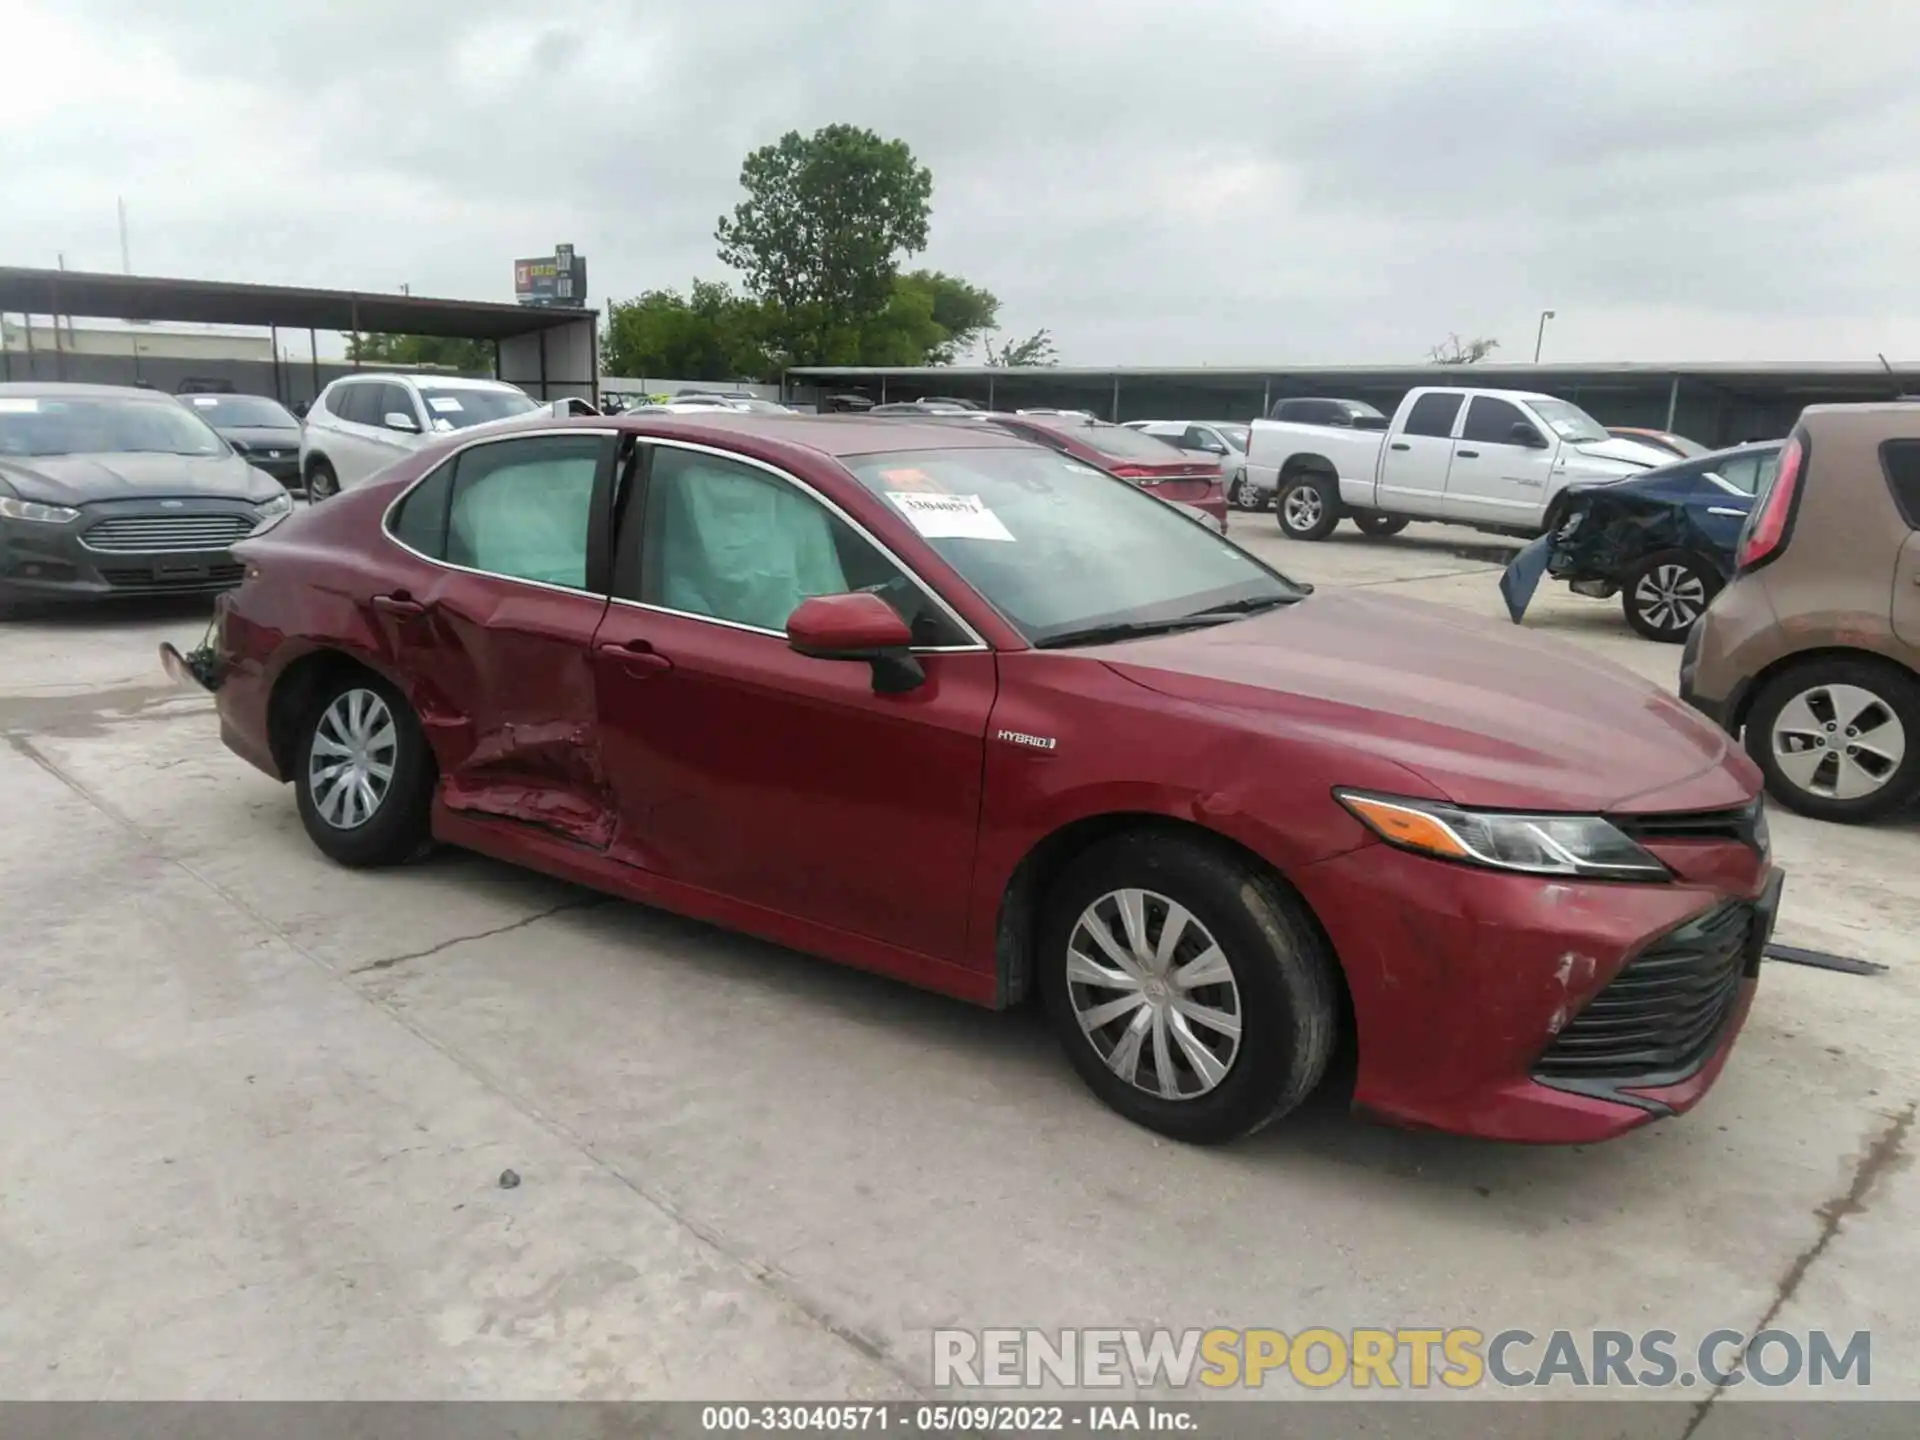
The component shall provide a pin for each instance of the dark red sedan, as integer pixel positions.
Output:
(963, 710)
(1152, 464)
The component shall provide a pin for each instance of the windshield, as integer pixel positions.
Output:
(238, 410)
(1569, 422)
(455, 408)
(1059, 548)
(101, 425)
(1236, 435)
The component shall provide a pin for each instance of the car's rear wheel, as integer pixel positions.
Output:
(322, 483)
(1189, 987)
(1839, 738)
(1666, 594)
(364, 774)
(1379, 524)
(1308, 503)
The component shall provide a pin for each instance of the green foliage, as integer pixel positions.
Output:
(819, 237)
(711, 333)
(1036, 349)
(469, 356)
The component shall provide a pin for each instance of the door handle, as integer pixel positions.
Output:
(1726, 510)
(398, 603)
(1466, 454)
(637, 656)
(1399, 445)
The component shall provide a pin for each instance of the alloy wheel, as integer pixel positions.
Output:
(355, 746)
(1304, 507)
(1154, 994)
(1671, 596)
(1840, 742)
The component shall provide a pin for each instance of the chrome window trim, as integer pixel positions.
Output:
(832, 508)
(386, 516)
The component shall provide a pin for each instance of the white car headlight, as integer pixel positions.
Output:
(12, 509)
(1579, 845)
(279, 505)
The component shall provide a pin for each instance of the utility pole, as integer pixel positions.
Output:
(406, 289)
(1540, 334)
(126, 261)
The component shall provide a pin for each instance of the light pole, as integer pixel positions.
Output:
(1540, 334)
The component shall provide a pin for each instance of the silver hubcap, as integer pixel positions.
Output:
(1838, 741)
(1670, 597)
(1303, 508)
(354, 749)
(1155, 996)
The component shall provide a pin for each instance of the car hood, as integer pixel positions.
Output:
(1490, 716)
(263, 437)
(1625, 452)
(82, 479)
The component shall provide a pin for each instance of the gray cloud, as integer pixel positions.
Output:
(1200, 183)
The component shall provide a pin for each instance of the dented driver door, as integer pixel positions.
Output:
(496, 633)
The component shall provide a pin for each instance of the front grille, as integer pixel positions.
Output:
(1745, 826)
(147, 534)
(1658, 1020)
(145, 581)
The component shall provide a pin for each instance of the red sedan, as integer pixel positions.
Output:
(1152, 464)
(962, 710)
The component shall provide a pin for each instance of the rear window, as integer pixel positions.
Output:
(1117, 442)
(1901, 460)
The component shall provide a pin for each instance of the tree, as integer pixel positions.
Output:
(710, 333)
(471, 356)
(931, 319)
(1455, 351)
(821, 233)
(1036, 349)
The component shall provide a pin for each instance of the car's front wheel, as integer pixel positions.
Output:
(1246, 496)
(322, 482)
(364, 774)
(1309, 505)
(1190, 989)
(1839, 738)
(1666, 594)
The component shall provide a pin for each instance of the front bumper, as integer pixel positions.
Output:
(126, 548)
(1470, 986)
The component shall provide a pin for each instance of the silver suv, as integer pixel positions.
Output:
(361, 424)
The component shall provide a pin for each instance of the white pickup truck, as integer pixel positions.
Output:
(1493, 459)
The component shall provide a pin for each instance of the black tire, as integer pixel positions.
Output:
(1894, 725)
(1379, 524)
(399, 827)
(322, 482)
(1242, 496)
(1664, 596)
(1284, 991)
(1307, 503)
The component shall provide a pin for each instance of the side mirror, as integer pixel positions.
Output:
(1524, 434)
(858, 626)
(399, 420)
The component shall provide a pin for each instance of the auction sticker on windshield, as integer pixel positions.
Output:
(949, 517)
(444, 403)
(15, 405)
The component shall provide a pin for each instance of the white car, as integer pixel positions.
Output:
(360, 424)
(1494, 459)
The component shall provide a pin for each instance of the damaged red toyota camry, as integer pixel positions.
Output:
(967, 712)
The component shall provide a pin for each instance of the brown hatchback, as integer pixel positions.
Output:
(1813, 652)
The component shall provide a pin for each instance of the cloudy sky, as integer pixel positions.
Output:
(1187, 183)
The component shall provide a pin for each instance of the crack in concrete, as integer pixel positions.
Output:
(784, 1288)
(1887, 1150)
(584, 903)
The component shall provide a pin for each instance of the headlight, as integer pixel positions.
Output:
(1580, 845)
(278, 505)
(13, 509)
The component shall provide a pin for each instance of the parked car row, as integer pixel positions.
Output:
(923, 696)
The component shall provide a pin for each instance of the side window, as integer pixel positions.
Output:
(344, 402)
(521, 508)
(1491, 421)
(1433, 414)
(1901, 460)
(1742, 472)
(392, 399)
(420, 521)
(732, 542)
(1196, 437)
